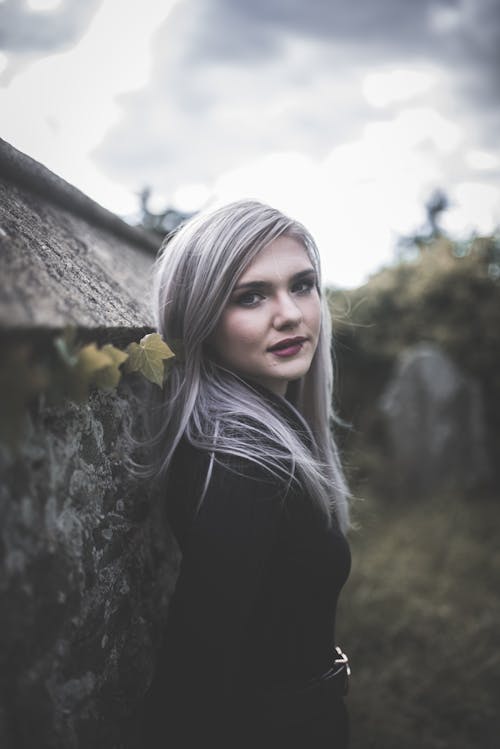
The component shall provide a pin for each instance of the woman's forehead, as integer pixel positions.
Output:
(282, 257)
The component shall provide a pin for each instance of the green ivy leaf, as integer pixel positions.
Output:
(69, 371)
(109, 376)
(90, 360)
(148, 357)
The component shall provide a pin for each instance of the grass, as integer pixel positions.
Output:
(420, 619)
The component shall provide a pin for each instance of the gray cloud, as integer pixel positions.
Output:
(462, 33)
(388, 21)
(24, 30)
(27, 35)
(234, 79)
(203, 117)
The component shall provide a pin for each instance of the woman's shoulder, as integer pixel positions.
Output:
(225, 489)
(192, 463)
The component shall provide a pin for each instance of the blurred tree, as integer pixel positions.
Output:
(411, 245)
(435, 206)
(162, 223)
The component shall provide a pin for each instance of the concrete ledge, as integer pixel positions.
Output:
(58, 268)
(21, 170)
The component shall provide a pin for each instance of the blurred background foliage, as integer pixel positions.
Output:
(419, 616)
(419, 619)
(443, 292)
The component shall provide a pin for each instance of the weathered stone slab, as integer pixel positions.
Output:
(58, 269)
(63, 258)
(435, 421)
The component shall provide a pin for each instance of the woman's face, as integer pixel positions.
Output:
(269, 329)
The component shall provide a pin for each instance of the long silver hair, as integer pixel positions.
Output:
(194, 275)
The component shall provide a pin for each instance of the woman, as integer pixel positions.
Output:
(254, 490)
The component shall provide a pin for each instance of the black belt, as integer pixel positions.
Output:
(305, 697)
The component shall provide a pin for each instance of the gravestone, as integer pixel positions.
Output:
(435, 423)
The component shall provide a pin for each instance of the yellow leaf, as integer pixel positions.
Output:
(134, 361)
(152, 343)
(148, 357)
(90, 360)
(108, 377)
(117, 355)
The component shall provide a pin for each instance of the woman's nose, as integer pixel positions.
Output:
(287, 312)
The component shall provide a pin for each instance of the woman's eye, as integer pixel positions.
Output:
(250, 299)
(303, 287)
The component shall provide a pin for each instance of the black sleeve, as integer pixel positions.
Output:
(224, 560)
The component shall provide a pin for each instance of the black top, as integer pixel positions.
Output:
(256, 597)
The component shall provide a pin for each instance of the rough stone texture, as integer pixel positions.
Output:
(88, 566)
(58, 269)
(435, 421)
(17, 168)
(87, 563)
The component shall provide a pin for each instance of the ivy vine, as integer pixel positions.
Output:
(67, 370)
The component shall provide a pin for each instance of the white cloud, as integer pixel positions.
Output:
(363, 195)
(475, 207)
(383, 88)
(482, 160)
(417, 126)
(190, 198)
(43, 5)
(60, 108)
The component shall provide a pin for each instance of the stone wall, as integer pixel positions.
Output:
(88, 568)
(87, 562)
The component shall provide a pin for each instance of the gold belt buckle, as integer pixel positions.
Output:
(343, 660)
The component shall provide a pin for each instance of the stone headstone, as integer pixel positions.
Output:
(435, 422)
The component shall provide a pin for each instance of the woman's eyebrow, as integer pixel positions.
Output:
(309, 272)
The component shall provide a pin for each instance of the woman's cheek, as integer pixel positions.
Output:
(248, 327)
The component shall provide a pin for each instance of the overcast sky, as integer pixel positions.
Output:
(345, 114)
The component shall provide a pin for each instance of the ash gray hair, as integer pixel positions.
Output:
(194, 276)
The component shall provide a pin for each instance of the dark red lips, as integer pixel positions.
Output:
(287, 342)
